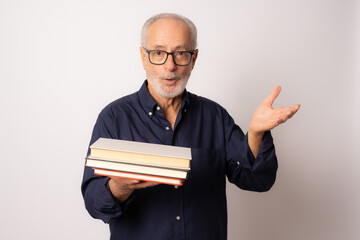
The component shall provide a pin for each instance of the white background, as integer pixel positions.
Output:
(61, 62)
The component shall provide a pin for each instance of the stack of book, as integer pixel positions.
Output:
(138, 160)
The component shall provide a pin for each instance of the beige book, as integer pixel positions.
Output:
(140, 152)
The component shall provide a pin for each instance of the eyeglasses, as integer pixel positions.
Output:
(159, 57)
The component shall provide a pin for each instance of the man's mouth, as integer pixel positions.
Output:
(170, 77)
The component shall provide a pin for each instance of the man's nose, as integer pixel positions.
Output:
(170, 64)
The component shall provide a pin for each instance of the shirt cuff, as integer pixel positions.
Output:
(264, 158)
(106, 205)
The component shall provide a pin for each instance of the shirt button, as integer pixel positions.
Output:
(158, 108)
(178, 218)
(150, 113)
(167, 128)
(185, 110)
(176, 186)
(238, 163)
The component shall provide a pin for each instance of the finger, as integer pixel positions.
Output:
(125, 181)
(269, 100)
(287, 113)
(293, 110)
(296, 108)
(145, 184)
(133, 182)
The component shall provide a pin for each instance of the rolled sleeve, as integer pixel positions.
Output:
(250, 173)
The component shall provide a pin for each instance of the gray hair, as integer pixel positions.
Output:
(185, 20)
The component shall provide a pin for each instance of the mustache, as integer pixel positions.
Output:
(170, 76)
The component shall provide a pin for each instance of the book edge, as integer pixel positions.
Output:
(137, 172)
(137, 163)
(181, 181)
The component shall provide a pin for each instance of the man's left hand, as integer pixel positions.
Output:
(266, 117)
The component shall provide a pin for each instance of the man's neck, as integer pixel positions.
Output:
(170, 106)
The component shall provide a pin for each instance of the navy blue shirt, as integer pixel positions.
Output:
(197, 210)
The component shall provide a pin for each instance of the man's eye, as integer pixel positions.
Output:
(158, 53)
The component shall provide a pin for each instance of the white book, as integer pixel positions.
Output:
(133, 168)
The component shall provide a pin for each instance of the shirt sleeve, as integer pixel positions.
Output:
(243, 169)
(99, 201)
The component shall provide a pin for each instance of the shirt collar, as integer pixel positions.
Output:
(149, 104)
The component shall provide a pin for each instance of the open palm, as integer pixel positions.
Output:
(266, 117)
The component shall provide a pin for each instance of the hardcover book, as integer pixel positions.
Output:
(139, 160)
(140, 152)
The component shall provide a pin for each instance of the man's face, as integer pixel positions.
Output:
(168, 80)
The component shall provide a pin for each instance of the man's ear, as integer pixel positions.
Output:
(143, 56)
(194, 58)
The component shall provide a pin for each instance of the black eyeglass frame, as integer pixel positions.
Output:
(167, 55)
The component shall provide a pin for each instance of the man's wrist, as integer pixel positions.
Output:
(255, 135)
(117, 193)
(255, 140)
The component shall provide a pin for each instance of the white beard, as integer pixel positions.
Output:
(182, 82)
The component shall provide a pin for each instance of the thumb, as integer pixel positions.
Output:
(269, 100)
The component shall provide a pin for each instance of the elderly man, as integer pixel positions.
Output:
(163, 112)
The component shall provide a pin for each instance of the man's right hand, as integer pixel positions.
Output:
(121, 188)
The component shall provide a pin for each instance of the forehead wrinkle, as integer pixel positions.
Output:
(161, 47)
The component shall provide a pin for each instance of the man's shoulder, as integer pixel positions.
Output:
(121, 104)
(204, 102)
